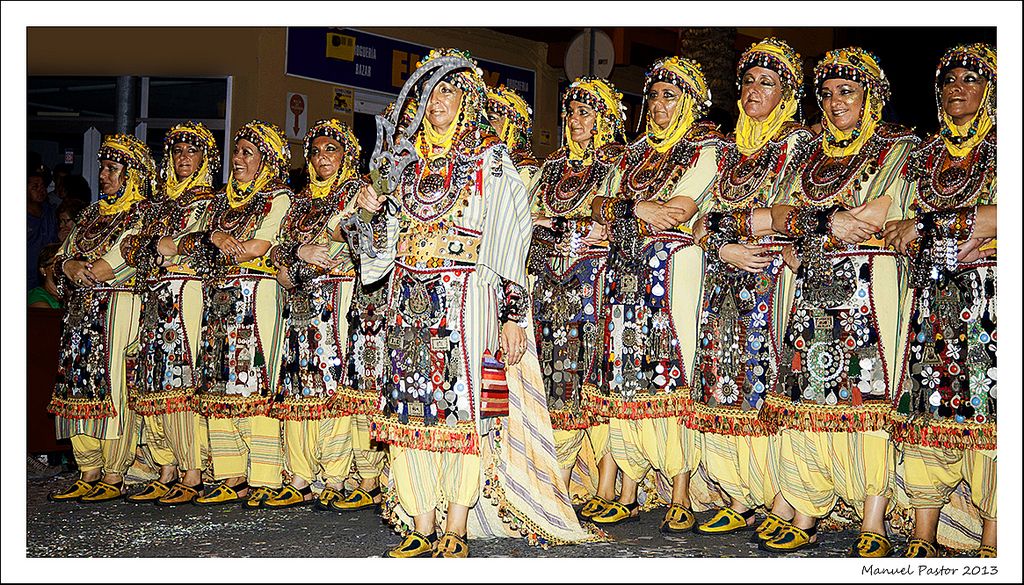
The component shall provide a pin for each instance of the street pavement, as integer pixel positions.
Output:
(121, 529)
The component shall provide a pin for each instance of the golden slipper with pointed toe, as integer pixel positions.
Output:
(593, 507)
(413, 545)
(181, 494)
(678, 519)
(358, 499)
(326, 497)
(73, 493)
(288, 497)
(104, 492)
(790, 539)
(769, 528)
(871, 545)
(258, 497)
(616, 513)
(153, 491)
(452, 546)
(222, 494)
(919, 548)
(726, 521)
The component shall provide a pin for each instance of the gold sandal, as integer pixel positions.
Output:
(871, 545)
(357, 499)
(258, 497)
(153, 491)
(104, 492)
(181, 494)
(593, 507)
(726, 521)
(73, 493)
(769, 528)
(452, 546)
(326, 497)
(919, 548)
(678, 519)
(222, 494)
(790, 539)
(289, 496)
(413, 545)
(616, 513)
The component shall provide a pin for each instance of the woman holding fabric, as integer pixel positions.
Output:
(90, 399)
(509, 115)
(841, 349)
(567, 258)
(240, 338)
(744, 303)
(458, 246)
(945, 411)
(164, 379)
(650, 325)
(318, 275)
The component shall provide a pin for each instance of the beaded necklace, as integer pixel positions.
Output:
(565, 185)
(433, 187)
(948, 182)
(97, 232)
(826, 178)
(650, 174)
(308, 217)
(241, 221)
(743, 178)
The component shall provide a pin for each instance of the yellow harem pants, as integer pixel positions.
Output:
(932, 473)
(814, 469)
(569, 443)
(312, 446)
(740, 464)
(248, 446)
(113, 456)
(662, 443)
(369, 458)
(423, 478)
(177, 438)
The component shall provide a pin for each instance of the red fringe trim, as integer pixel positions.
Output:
(349, 401)
(660, 406)
(461, 439)
(302, 409)
(567, 420)
(778, 413)
(79, 408)
(152, 404)
(222, 406)
(726, 421)
(948, 435)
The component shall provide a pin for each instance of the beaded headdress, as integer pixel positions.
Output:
(337, 130)
(270, 140)
(198, 135)
(859, 66)
(506, 102)
(686, 74)
(140, 171)
(980, 58)
(470, 81)
(601, 95)
(777, 55)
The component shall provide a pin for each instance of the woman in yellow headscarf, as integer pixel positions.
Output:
(163, 382)
(567, 258)
(318, 276)
(744, 304)
(945, 411)
(240, 339)
(510, 116)
(90, 399)
(651, 294)
(841, 350)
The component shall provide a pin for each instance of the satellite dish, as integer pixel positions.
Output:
(578, 55)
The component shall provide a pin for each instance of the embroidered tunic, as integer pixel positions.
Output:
(742, 314)
(241, 326)
(947, 389)
(569, 287)
(460, 237)
(649, 329)
(841, 347)
(100, 322)
(164, 376)
(315, 314)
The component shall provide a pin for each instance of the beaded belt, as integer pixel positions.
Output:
(463, 249)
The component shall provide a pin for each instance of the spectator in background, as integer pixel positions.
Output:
(67, 214)
(42, 224)
(59, 193)
(46, 294)
(75, 187)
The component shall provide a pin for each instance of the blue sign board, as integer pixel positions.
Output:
(351, 57)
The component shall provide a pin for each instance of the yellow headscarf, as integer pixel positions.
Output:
(196, 134)
(857, 65)
(981, 58)
(685, 74)
(777, 55)
(433, 144)
(270, 140)
(339, 131)
(517, 113)
(140, 172)
(606, 101)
